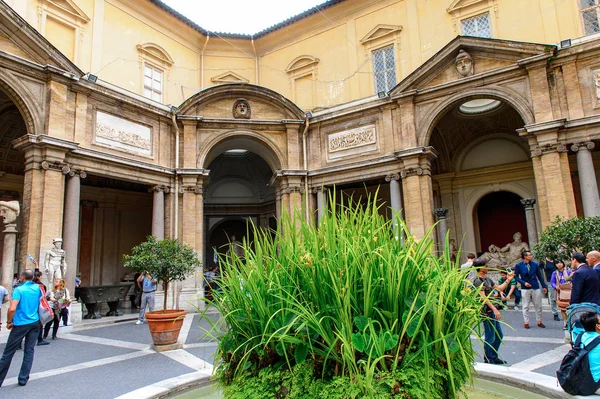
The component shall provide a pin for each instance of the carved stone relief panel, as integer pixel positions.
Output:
(352, 142)
(122, 134)
(595, 87)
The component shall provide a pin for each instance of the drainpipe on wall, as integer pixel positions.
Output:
(176, 221)
(202, 62)
(306, 193)
(255, 62)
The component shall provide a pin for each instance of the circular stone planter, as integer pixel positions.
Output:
(165, 325)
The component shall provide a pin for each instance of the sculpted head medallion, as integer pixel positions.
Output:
(464, 64)
(241, 109)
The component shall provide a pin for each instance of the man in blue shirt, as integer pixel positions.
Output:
(529, 275)
(23, 322)
(148, 284)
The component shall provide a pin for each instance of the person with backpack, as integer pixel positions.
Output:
(491, 315)
(579, 372)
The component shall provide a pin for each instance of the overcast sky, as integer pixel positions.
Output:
(240, 16)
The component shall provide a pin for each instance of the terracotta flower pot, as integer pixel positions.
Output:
(165, 325)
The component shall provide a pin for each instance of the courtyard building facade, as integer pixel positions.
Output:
(123, 119)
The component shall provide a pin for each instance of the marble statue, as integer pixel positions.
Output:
(9, 210)
(55, 264)
(507, 256)
(464, 64)
(236, 248)
(596, 77)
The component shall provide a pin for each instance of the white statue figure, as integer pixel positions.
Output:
(597, 84)
(10, 211)
(464, 64)
(514, 249)
(56, 266)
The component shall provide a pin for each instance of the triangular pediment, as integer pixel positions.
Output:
(488, 56)
(69, 7)
(229, 77)
(21, 39)
(380, 31)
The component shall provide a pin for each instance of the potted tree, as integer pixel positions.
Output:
(166, 260)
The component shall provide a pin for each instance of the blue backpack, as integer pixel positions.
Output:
(574, 374)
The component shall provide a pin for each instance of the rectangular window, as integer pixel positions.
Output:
(153, 87)
(384, 69)
(590, 11)
(478, 26)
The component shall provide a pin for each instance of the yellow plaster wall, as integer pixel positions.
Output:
(344, 71)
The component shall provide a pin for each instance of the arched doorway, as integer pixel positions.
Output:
(498, 216)
(240, 193)
(12, 162)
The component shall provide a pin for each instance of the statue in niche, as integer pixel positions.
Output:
(464, 64)
(236, 248)
(241, 109)
(9, 210)
(55, 264)
(507, 256)
(596, 77)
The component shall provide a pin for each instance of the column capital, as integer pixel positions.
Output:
(69, 170)
(589, 145)
(548, 148)
(89, 204)
(392, 176)
(318, 189)
(415, 171)
(528, 203)
(441, 213)
(191, 189)
(159, 188)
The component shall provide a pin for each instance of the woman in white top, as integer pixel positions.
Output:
(59, 297)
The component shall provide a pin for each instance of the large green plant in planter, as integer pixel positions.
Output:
(565, 236)
(166, 260)
(344, 310)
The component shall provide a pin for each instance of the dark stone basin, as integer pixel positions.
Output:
(113, 295)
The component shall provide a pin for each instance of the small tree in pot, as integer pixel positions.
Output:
(167, 261)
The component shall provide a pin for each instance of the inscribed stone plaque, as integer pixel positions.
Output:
(352, 142)
(123, 135)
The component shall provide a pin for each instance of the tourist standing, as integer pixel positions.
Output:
(560, 276)
(593, 259)
(549, 267)
(58, 296)
(37, 278)
(585, 281)
(23, 322)
(3, 299)
(529, 275)
(468, 265)
(148, 284)
(491, 315)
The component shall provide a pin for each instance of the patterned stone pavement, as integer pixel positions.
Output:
(115, 360)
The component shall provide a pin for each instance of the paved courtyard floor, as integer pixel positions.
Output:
(112, 360)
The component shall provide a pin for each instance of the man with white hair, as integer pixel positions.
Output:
(593, 260)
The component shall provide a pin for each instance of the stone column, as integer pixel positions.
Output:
(158, 211)
(321, 204)
(278, 203)
(9, 210)
(587, 179)
(395, 200)
(71, 224)
(417, 190)
(442, 226)
(532, 235)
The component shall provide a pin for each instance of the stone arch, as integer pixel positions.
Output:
(512, 98)
(291, 110)
(21, 97)
(473, 200)
(247, 140)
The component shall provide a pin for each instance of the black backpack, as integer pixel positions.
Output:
(574, 374)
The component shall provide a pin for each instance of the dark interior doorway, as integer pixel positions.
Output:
(499, 216)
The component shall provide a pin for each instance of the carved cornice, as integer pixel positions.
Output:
(159, 188)
(548, 149)
(441, 213)
(587, 145)
(528, 203)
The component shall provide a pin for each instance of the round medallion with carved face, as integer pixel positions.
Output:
(241, 109)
